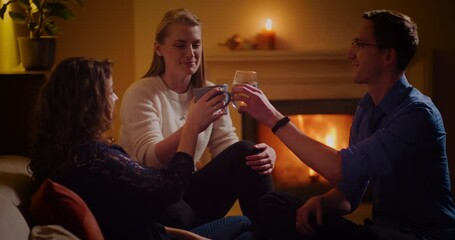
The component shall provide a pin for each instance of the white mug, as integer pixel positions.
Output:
(199, 92)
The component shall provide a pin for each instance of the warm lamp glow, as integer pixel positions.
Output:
(268, 24)
(8, 44)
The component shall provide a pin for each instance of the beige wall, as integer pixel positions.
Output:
(306, 26)
(102, 29)
(124, 31)
(300, 25)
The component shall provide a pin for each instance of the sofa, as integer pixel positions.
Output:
(51, 212)
(16, 194)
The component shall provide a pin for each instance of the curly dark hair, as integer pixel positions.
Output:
(75, 106)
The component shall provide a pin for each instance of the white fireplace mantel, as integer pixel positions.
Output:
(291, 75)
(287, 75)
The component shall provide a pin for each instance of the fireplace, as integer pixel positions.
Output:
(318, 84)
(313, 85)
(326, 120)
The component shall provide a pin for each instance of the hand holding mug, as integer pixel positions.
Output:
(199, 92)
(207, 108)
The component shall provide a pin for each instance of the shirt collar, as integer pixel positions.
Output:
(393, 97)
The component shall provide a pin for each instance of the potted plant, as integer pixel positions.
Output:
(38, 50)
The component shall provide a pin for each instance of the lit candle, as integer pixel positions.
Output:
(268, 24)
(266, 39)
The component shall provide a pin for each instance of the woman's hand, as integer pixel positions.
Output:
(263, 162)
(200, 115)
(206, 110)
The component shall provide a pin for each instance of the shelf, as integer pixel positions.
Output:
(268, 55)
(19, 70)
(18, 96)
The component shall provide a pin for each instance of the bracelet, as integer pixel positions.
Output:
(280, 123)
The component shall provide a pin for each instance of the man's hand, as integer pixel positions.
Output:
(309, 216)
(263, 162)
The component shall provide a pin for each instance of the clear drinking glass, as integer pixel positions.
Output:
(244, 77)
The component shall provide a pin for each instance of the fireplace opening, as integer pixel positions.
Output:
(327, 121)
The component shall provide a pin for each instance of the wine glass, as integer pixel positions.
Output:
(244, 77)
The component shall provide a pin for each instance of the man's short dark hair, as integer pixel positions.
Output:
(395, 30)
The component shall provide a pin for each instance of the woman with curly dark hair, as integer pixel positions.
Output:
(75, 109)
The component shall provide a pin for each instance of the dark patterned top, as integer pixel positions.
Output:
(124, 195)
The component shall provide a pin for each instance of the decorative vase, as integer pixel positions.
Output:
(37, 54)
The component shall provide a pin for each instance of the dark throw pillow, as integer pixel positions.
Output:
(55, 204)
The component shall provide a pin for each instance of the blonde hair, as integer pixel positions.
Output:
(181, 16)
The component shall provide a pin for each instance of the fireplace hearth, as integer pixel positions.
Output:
(327, 121)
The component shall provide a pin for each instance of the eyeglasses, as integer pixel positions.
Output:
(356, 44)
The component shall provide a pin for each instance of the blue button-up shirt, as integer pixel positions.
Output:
(399, 148)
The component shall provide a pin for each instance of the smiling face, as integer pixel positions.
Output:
(181, 50)
(367, 60)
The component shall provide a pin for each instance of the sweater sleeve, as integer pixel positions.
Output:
(140, 125)
(151, 112)
(223, 135)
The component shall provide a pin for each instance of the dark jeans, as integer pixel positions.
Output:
(227, 228)
(215, 188)
(277, 217)
(233, 227)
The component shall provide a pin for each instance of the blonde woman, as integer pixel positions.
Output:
(154, 111)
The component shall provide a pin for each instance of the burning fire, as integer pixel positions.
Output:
(330, 129)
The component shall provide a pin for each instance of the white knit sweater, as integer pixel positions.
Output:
(150, 112)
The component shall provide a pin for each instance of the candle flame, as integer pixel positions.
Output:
(268, 24)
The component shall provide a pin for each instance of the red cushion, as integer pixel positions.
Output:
(53, 203)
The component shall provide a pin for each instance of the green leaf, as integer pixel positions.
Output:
(3, 9)
(38, 14)
(32, 27)
(24, 4)
(51, 29)
(58, 9)
(37, 3)
(17, 17)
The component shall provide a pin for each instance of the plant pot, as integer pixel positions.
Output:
(37, 54)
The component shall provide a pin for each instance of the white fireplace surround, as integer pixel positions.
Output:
(288, 75)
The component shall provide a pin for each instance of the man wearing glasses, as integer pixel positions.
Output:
(397, 147)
